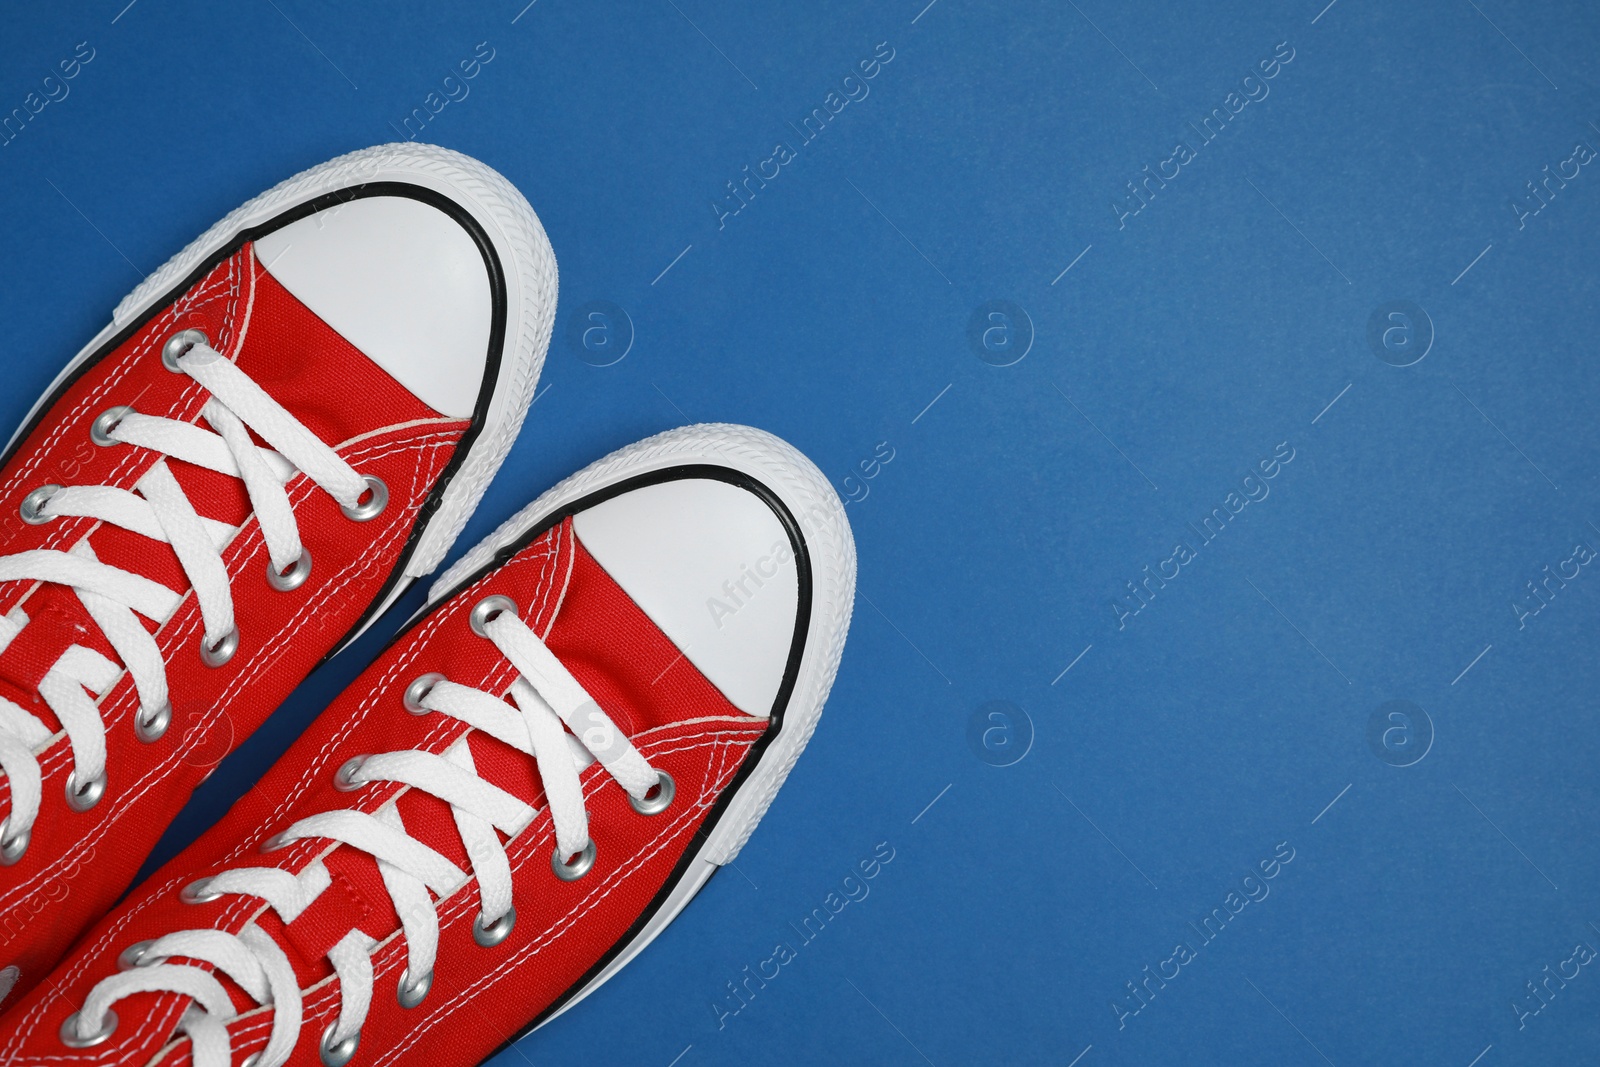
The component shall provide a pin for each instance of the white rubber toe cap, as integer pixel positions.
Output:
(403, 282)
(712, 566)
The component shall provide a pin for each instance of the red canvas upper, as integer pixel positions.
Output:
(678, 721)
(78, 863)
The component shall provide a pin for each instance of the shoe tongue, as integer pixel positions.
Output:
(219, 497)
(56, 621)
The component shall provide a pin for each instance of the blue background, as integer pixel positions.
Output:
(1186, 342)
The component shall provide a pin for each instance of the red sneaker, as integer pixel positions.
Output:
(588, 718)
(278, 431)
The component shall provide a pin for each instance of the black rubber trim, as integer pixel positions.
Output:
(497, 291)
(791, 674)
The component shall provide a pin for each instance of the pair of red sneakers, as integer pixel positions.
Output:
(278, 431)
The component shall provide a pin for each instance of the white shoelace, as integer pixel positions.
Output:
(113, 597)
(547, 699)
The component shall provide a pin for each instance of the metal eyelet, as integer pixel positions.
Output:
(340, 1054)
(12, 847)
(410, 993)
(490, 935)
(221, 652)
(377, 495)
(151, 728)
(485, 611)
(344, 779)
(72, 1039)
(655, 805)
(138, 955)
(571, 872)
(105, 422)
(418, 691)
(199, 892)
(32, 506)
(277, 841)
(178, 345)
(293, 578)
(82, 798)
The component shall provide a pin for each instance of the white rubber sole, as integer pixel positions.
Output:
(526, 260)
(826, 532)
